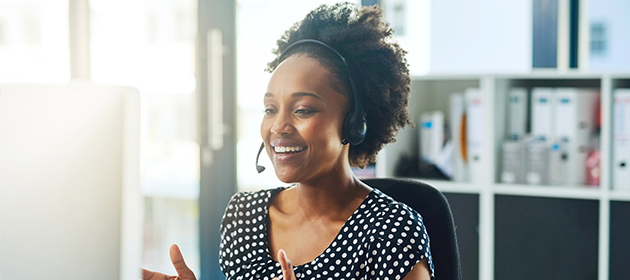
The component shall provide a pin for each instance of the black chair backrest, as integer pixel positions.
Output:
(437, 216)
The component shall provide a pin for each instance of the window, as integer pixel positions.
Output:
(150, 45)
(34, 43)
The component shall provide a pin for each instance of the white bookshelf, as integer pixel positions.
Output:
(619, 196)
(431, 93)
(454, 187)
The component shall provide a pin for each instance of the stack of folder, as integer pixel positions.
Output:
(564, 122)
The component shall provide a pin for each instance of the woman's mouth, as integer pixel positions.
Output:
(282, 150)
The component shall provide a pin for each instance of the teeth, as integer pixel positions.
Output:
(287, 149)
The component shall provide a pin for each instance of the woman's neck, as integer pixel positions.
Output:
(333, 196)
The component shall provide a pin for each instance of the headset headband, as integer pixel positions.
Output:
(355, 125)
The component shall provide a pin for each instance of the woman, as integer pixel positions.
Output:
(335, 71)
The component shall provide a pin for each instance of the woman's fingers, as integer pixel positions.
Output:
(287, 266)
(152, 275)
(146, 274)
(183, 272)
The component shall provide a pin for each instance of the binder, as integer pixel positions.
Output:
(513, 165)
(538, 148)
(574, 120)
(513, 150)
(431, 135)
(537, 162)
(542, 113)
(458, 137)
(558, 163)
(517, 127)
(474, 133)
(621, 139)
(593, 163)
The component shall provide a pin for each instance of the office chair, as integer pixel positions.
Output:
(438, 219)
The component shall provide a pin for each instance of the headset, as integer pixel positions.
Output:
(354, 124)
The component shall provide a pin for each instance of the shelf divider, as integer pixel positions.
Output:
(606, 92)
(572, 192)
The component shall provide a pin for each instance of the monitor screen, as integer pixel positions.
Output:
(70, 198)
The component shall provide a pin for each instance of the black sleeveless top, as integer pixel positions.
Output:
(383, 239)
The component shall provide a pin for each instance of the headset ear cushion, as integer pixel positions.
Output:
(362, 128)
(354, 128)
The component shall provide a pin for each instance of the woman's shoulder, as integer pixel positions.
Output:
(387, 207)
(396, 221)
(400, 229)
(247, 203)
(249, 199)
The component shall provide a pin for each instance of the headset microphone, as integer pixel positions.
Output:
(260, 168)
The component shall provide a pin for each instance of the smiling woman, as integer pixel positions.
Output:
(338, 93)
(329, 67)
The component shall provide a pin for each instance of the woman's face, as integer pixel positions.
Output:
(302, 125)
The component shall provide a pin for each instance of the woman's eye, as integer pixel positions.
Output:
(303, 112)
(269, 111)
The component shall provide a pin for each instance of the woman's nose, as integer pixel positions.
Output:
(282, 125)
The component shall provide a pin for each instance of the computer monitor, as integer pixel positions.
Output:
(70, 198)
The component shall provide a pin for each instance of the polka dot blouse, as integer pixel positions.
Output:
(383, 239)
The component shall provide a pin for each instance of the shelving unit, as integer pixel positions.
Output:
(619, 196)
(430, 93)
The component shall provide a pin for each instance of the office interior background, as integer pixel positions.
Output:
(477, 56)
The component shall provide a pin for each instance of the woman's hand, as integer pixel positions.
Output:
(183, 272)
(287, 266)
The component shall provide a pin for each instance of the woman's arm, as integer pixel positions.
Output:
(420, 271)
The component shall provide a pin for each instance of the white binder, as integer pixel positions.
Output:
(431, 135)
(558, 159)
(542, 113)
(621, 140)
(512, 162)
(475, 133)
(574, 121)
(537, 162)
(458, 137)
(517, 127)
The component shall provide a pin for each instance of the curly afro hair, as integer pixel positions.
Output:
(362, 38)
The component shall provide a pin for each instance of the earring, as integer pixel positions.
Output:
(344, 142)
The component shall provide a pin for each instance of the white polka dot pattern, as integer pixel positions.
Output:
(383, 239)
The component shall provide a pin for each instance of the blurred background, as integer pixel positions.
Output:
(198, 65)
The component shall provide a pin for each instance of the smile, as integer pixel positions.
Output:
(283, 150)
